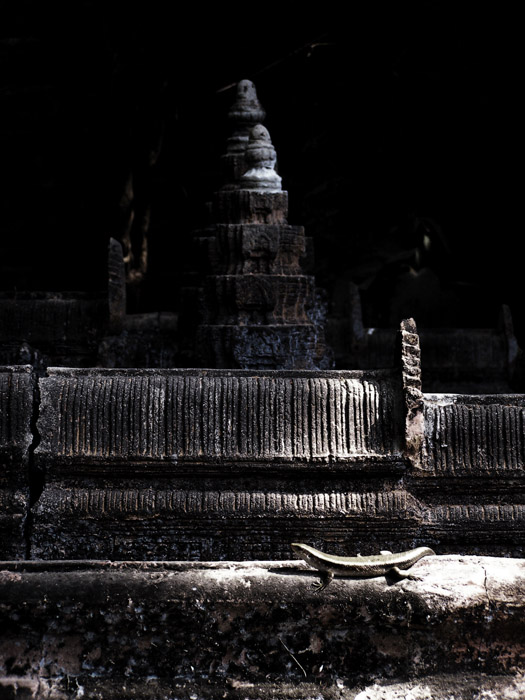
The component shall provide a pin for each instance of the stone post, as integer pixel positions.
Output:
(410, 357)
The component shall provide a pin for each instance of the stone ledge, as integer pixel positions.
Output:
(207, 623)
(437, 687)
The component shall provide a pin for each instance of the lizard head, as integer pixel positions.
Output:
(303, 551)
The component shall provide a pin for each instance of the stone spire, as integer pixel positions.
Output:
(245, 112)
(259, 308)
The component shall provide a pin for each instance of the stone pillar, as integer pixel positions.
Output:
(410, 357)
(116, 288)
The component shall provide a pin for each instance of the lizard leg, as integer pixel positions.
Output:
(326, 577)
(398, 573)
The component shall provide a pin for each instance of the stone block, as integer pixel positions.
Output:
(251, 207)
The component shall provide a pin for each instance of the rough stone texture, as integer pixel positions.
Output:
(85, 330)
(472, 474)
(165, 630)
(264, 347)
(217, 464)
(475, 435)
(251, 207)
(257, 248)
(16, 412)
(471, 686)
(265, 300)
(173, 416)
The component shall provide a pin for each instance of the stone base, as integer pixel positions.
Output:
(190, 630)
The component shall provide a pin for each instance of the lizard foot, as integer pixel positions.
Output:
(323, 583)
(400, 574)
(319, 586)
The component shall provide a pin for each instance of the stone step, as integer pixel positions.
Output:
(159, 630)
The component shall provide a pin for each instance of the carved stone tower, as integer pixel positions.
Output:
(260, 308)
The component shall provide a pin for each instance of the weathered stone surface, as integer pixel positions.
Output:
(475, 435)
(176, 464)
(254, 628)
(260, 161)
(174, 416)
(471, 475)
(410, 356)
(278, 347)
(264, 300)
(16, 412)
(255, 248)
(251, 207)
(455, 360)
(227, 519)
(444, 686)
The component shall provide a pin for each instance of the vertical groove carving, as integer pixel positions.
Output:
(463, 437)
(184, 416)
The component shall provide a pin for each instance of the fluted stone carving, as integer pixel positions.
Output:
(148, 464)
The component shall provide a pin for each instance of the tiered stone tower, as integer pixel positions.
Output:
(260, 308)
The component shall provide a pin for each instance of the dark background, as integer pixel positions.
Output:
(393, 125)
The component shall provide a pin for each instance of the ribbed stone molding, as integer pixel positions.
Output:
(475, 435)
(16, 437)
(215, 464)
(259, 630)
(171, 417)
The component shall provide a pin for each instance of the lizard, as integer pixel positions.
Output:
(382, 564)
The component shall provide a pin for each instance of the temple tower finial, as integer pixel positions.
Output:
(245, 112)
(260, 159)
